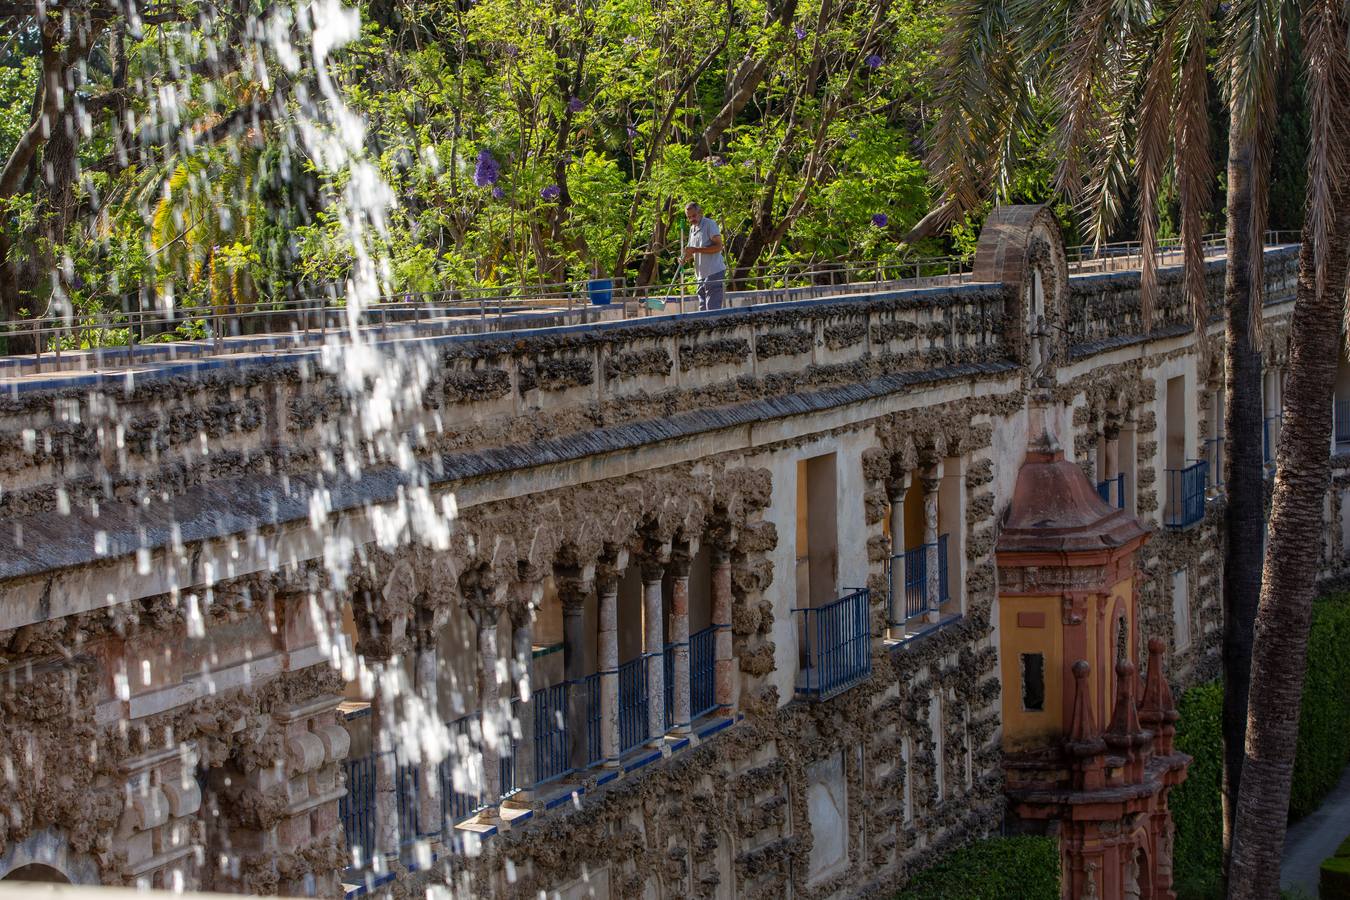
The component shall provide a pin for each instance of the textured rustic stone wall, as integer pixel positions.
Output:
(561, 450)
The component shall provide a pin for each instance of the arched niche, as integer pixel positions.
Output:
(1022, 247)
(37, 873)
(46, 857)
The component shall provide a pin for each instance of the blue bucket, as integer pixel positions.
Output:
(602, 291)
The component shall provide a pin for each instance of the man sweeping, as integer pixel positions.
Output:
(705, 249)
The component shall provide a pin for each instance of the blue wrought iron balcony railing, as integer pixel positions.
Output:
(552, 736)
(702, 669)
(357, 809)
(1341, 431)
(632, 703)
(1269, 437)
(1116, 486)
(917, 600)
(1186, 495)
(837, 644)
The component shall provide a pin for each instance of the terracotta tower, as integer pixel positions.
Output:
(1086, 756)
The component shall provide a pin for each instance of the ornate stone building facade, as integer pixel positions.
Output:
(707, 605)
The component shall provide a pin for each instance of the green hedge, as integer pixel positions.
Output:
(1323, 751)
(1324, 721)
(1334, 883)
(1197, 806)
(1006, 868)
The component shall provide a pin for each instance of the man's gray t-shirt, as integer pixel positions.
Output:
(701, 235)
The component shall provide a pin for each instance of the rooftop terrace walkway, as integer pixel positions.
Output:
(139, 344)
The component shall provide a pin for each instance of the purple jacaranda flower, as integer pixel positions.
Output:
(719, 161)
(873, 62)
(879, 220)
(632, 132)
(498, 193)
(800, 32)
(631, 40)
(552, 192)
(576, 105)
(487, 171)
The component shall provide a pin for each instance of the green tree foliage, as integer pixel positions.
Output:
(797, 123)
(1003, 868)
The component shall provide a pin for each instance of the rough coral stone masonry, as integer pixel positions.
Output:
(713, 605)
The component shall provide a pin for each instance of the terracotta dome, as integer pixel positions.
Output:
(1056, 509)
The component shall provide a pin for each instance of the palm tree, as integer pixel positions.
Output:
(1251, 52)
(1302, 473)
(1151, 60)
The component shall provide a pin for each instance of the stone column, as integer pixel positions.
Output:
(607, 592)
(679, 637)
(426, 669)
(653, 649)
(896, 489)
(725, 665)
(383, 726)
(932, 480)
(522, 689)
(573, 589)
(489, 706)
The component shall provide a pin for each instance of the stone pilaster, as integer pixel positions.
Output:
(724, 684)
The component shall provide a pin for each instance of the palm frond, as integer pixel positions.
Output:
(1328, 73)
(980, 85)
(1195, 173)
(1253, 35)
(1155, 117)
(1094, 45)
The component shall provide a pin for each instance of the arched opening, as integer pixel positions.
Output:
(37, 873)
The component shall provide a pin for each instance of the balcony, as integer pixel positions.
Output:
(1186, 495)
(836, 640)
(917, 601)
(702, 672)
(1116, 485)
(433, 801)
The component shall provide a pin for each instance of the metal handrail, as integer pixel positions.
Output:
(1186, 494)
(915, 587)
(838, 645)
(304, 321)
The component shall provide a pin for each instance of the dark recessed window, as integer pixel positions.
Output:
(1033, 682)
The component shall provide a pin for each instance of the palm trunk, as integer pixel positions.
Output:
(1243, 476)
(1288, 581)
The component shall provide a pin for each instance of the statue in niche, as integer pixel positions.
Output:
(1131, 891)
(1165, 848)
(1090, 881)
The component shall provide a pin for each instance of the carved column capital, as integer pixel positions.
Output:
(897, 486)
